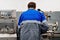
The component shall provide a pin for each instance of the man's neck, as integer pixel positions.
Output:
(30, 8)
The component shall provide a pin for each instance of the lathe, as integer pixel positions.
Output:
(8, 25)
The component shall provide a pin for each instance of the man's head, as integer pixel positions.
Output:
(32, 5)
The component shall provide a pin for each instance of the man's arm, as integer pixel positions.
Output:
(43, 18)
(44, 22)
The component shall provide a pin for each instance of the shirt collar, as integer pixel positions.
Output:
(31, 8)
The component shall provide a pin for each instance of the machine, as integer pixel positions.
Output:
(8, 25)
(52, 33)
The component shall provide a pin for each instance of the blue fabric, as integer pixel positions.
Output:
(31, 14)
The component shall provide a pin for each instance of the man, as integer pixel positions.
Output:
(30, 20)
(32, 14)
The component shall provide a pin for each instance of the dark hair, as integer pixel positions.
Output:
(32, 5)
(39, 9)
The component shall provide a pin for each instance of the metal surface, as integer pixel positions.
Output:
(8, 25)
(8, 36)
(54, 26)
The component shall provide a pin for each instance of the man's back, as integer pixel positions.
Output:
(31, 14)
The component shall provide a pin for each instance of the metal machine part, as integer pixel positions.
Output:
(8, 25)
(54, 29)
(52, 32)
(8, 21)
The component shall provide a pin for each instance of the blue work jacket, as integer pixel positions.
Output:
(31, 14)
